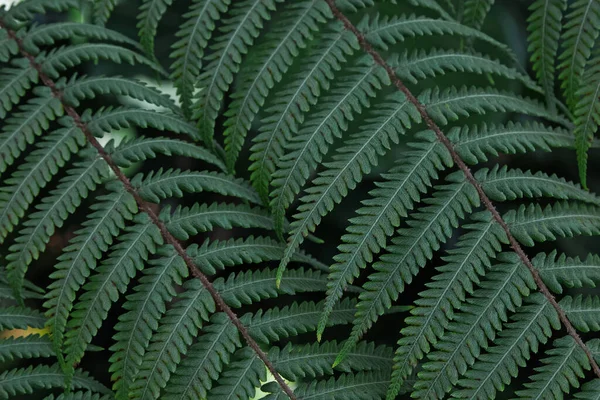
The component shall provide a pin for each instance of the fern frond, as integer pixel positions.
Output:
(564, 365)
(25, 347)
(478, 322)
(142, 148)
(84, 87)
(409, 251)
(361, 386)
(109, 119)
(21, 128)
(188, 51)
(102, 11)
(421, 64)
(79, 396)
(205, 360)
(81, 256)
(23, 381)
(14, 83)
(239, 32)
(475, 11)
(477, 144)
(186, 222)
(150, 14)
(49, 34)
(16, 317)
(381, 214)
(173, 183)
(535, 321)
(8, 47)
(62, 58)
(589, 391)
(111, 280)
(530, 224)
(305, 151)
(502, 184)
(582, 312)
(149, 300)
(242, 376)
(294, 27)
(587, 115)
(544, 26)
(578, 41)
(38, 168)
(27, 10)
(52, 212)
(315, 360)
(464, 265)
(562, 272)
(286, 114)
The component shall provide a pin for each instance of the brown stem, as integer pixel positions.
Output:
(470, 178)
(147, 208)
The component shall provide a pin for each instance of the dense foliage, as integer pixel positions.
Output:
(189, 259)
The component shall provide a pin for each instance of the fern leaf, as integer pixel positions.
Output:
(173, 183)
(82, 88)
(14, 83)
(149, 300)
(475, 11)
(239, 33)
(476, 144)
(587, 115)
(589, 391)
(464, 265)
(479, 320)
(578, 41)
(32, 176)
(409, 251)
(8, 47)
(49, 34)
(79, 396)
(27, 10)
(150, 14)
(535, 321)
(381, 214)
(189, 49)
(110, 119)
(176, 331)
(277, 323)
(314, 360)
(140, 149)
(421, 64)
(241, 378)
(62, 58)
(205, 360)
(361, 386)
(352, 160)
(530, 224)
(21, 128)
(111, 280)
(23, 381)
(16, 317)
(286, 113)
(271, 59)
(25, 347)
(544, 26)
(305, 151)
(562, 272)
(52, 212)
(102, 11)
(582, 312)
(81, 256)
(502, 184)
(564, 365)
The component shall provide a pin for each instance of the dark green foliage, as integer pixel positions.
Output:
(282, 124)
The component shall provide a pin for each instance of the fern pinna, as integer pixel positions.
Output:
(408, 114)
